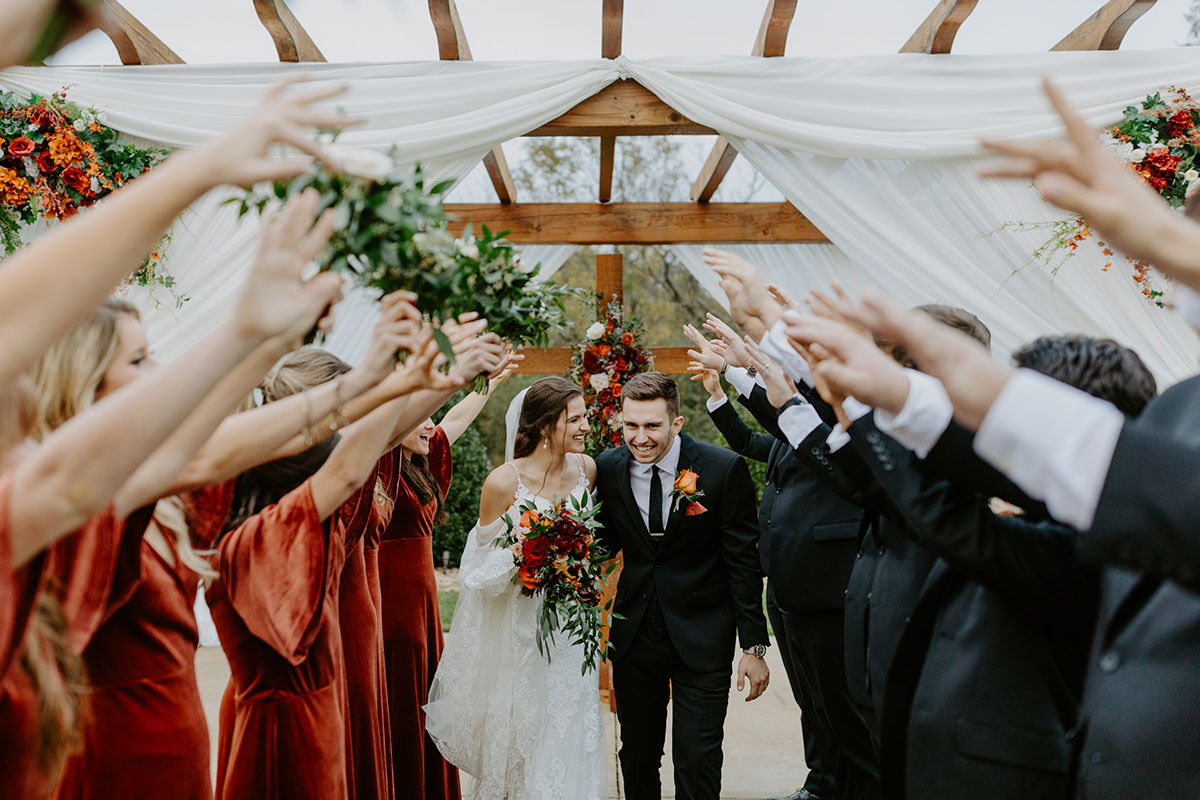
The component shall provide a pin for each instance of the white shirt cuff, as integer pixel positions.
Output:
(837, 438)
(1053, 441)
(797, 422)
(740, 380)
(715, 403)
(926, 414)
(775, 345)
(854, 409)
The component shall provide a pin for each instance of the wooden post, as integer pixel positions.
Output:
(610, 277)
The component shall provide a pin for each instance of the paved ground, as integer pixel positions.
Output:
(763, 753)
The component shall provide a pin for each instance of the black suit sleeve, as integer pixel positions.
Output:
(1148, 516)
(954, 458)
(739, 538)
(742, 440)
(607, 494)
(1033, 564)
(766, 414)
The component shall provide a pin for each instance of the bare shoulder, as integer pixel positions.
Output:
(499, 490)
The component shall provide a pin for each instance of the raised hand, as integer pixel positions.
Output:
(837, 310)
(847, 362)
(782, 297)
(735, 349)
(710, 377)
(1077, 173)
(423, 369)
(779, 386)
(750, 303)
(285, 116)
(705, 353)
(509, 365)
(398, 329)
(276, 300)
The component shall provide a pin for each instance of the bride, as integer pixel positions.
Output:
(526, 728)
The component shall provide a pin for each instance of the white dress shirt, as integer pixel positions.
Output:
(639, 482)
(926, 414)
(1053, 441)
(796, 422)
(776, 346)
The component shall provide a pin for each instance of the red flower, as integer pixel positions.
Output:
(76, 178)
(45, 163)
(1180, 123)
(535, 550)
(627, 339)
(603, 350)
(616, 390)
(41, 116)
(622, 365)
(590, 362)
(694, 510)
(21, 146)
(1160, 168)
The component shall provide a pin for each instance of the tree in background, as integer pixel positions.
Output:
(471, 467)
(1192, 18)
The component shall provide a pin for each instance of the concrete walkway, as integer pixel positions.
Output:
(763, 752)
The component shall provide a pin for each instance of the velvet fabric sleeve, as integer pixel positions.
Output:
(441, 462)
(277, 568)
(207, 508)
(18, 586)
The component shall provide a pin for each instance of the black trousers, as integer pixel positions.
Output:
(813, 641)
(650, 674)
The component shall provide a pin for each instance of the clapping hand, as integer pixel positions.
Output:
(275, 300)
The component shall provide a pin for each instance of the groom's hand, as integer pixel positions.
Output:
(754, 669)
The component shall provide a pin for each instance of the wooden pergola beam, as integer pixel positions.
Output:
(1106, 29)
(292, 42)
(557, 360)
(771, 42)
(623, 108)
(638, 223)
(612, 21)
(935, 35)
(135, 43)
(452, 46)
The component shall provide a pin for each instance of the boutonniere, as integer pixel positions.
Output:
(685, 491)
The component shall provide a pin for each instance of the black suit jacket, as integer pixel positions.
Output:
(808, 534)
(1138, 734)
(984, 688)
(705, 571)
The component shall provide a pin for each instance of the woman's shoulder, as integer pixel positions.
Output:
(502, 480)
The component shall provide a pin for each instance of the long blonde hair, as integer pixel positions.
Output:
(66, 380)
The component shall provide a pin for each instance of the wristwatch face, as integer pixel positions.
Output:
(759, 650)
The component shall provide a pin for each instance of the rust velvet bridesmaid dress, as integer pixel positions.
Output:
(412, 634)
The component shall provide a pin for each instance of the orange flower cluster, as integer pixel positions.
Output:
(14, 188)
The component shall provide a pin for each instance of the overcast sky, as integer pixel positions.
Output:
(399, 30)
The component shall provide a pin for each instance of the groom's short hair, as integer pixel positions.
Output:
(652, 386)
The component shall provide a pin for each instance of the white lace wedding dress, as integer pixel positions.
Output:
(523, 727)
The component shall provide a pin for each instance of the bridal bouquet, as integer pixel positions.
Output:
(559, 560)
(391, 233)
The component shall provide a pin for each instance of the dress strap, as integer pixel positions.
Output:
(583, 480)
(522, 489)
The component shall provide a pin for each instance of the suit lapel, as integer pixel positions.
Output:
(631, 506)
(688, 453)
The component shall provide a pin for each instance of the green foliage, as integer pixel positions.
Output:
(447, 602)
(471, 468)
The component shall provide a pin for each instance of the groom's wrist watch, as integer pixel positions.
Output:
(758, 651)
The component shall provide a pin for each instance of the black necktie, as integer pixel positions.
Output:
(656, 520)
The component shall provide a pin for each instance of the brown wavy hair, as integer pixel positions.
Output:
(415, 472)
(545, 402)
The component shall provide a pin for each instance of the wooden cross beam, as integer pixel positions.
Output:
(638, 223)
(135, 43)
(292, 42)
(452, 46)
(623, 108)
(1106, 29)
(771, 41)
(610, 47)
(935, 35)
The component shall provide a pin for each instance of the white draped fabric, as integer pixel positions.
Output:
(876, 150)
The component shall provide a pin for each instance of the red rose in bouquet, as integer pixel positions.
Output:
(590, 362)
(77, 179)
(45, 164)
(535, 551)
(1180, 123)
(21, 146)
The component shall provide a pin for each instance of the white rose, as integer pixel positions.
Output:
(1191, 176)
(1137, 155)
(595, 331)
(468, 248)
(79, 125)
(362, 162)
(102, 117)
(95, 184)
(599, 381)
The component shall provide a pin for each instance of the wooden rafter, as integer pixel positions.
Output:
(623, 108)
(639, 223)
(135, 43)
(612, 22)
(935, 35)
(292, 42)
(771, 42)
(1105, 29)
(557, 360)
(452, 46)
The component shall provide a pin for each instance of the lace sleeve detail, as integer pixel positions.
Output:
(485, 567)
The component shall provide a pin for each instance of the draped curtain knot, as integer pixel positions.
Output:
(624, 67)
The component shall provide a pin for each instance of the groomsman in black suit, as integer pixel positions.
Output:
(683, 514)
(808, 542)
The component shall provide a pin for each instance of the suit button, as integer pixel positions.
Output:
(858, 555)
(768, 522)
(873, 437)
(1096, 758)
(1110, 661)
(868, 595)
(816, 451)
(645, 596)
(907, 620)
(845, 592)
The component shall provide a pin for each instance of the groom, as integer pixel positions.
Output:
(691, 580)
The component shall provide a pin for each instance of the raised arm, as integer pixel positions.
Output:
(80, 468)
(460, 417)
(131, 222)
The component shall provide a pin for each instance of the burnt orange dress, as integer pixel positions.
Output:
(412, 634)
(367, 731)
(275, 607)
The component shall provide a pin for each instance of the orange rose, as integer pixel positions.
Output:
(627, 338)
(686, 482)
(528, 577)
(530, 518)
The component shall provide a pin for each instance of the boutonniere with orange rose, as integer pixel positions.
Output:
(685, 491)
(559, 560)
